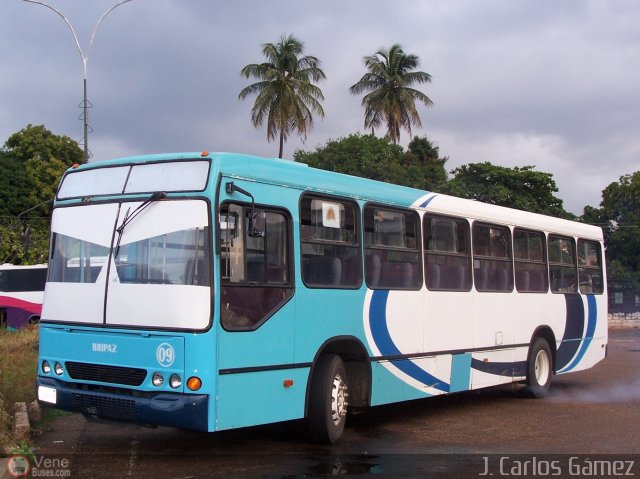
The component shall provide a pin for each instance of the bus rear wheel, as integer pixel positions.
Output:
(328, 400)
(539, 369)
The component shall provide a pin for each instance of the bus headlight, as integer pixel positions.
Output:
(157, 379)
(46, 367)
(175, 381)
(58, 369)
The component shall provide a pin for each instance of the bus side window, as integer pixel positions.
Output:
(329, 243)
(447, 253)
(530, 261)
(562, 264)
(492, 264)
(255, 270)
(391, 248)
(590, 267)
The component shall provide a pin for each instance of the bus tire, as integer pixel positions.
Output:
(539, 369)
(328, 400)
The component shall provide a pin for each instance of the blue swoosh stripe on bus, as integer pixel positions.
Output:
(427, 201)
(572, 332)
(384, 342)
(591, 328)
(507, 369)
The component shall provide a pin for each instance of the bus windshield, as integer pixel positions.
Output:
(158, 276)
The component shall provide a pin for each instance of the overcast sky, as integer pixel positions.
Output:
(555, 84)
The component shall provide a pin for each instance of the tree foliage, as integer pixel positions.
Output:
(519, 187)
(391, 98)
(379, 159)
(286, 98)
(32, 162)
(619, 216)
(425, 168)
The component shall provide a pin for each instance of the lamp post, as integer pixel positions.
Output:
(85, 61)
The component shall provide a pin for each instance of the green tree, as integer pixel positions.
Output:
(14, 188)
(359, 155)
(619, 217)
(519, 187)
(390, 97)
(379, 159)
(286, 97)
(32, 162)
(424, 166)
(34, 159)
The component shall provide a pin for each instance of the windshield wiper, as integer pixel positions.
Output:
(130, 215)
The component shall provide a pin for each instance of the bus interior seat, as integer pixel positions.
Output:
(501, 280)
(255, 272)
(433, 271)
(523, 282)
(326, 270)
(459, 282)
(396, 275)
(537, 281)
(481, 277)
(373, 266)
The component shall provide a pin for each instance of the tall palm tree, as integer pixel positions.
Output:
(285, 95)
(390, 96)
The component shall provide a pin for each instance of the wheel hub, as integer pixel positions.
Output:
(339, 397)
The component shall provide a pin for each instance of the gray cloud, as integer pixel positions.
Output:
(553, 84)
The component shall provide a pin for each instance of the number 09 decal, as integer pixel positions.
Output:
(165, 355)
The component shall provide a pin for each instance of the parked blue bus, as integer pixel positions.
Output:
(217, 291)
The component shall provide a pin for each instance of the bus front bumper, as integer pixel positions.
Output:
(186, 411)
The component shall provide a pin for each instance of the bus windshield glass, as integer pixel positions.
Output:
(159, 276)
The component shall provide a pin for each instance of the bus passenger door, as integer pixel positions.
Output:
(257, 312)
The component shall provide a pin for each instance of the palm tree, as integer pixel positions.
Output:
(285, 95)
(390, 97)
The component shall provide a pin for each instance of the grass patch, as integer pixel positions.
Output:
(18, 368)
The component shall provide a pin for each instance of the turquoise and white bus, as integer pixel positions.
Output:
(217, 291)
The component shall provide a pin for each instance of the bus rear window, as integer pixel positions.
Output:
(590, 267)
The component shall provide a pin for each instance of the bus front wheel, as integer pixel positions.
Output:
(328, 400)
(539, 369)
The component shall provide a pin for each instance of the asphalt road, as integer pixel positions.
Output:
(587, 413)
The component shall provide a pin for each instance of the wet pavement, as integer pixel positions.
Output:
(464, 435)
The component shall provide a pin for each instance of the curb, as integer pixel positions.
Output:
(4, 472)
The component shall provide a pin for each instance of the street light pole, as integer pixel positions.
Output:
(85, 61)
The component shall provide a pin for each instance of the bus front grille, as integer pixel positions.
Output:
(104, 407)
(106, 374)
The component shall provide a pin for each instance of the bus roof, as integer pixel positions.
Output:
(292, 174)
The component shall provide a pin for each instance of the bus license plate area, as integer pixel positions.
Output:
(47, 394)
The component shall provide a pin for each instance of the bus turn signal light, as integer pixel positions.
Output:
(194, 383)
(287, 383)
